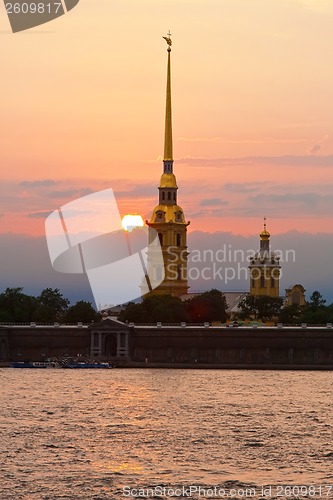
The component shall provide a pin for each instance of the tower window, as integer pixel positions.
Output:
(179, 273)
(174, 196)
(160, 236)
(178, 240)
(272, 282)
(169, 195)
(163, 195)
(253, 283)
(262, 281)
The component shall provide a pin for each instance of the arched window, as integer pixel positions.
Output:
(160, 216)
(179, 273)
(272, 282)
(169, 195)
(262, 281)
(174, 196)
(179, 216)
(163, 195)
(253, 283)
(160, 236)
(178, 240)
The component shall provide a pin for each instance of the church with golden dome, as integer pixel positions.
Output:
(265, 269)
(169, 223)
(168, 219)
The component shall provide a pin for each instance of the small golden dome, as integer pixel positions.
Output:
(264, 235)
(168, 181)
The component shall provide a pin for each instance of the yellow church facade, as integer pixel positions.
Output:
(265, 269)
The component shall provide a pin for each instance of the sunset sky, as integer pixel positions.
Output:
(82, 109)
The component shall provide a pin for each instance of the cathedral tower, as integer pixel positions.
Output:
(265, 269)
(168, 218)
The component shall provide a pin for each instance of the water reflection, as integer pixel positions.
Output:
(86, 434)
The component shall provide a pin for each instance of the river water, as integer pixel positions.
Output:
(108, 434)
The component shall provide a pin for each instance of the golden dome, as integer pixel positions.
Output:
(168, 181)
(264, 235)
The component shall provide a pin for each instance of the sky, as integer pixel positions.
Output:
(82, 110)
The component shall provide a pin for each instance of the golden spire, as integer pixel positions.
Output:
(168, 154)
(264, 235)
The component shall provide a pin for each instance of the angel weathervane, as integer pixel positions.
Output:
(168, 40)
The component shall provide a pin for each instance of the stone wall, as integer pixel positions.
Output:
(233, 347)
(220, 347)
(35, 343)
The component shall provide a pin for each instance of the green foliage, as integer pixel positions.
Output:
(48, 307)
(316, 301)
(81, 311)
(260, 307)
(51, 305)
(154, 308)
(209, 306)
(291, 315)
(313, 313)
(16, 307)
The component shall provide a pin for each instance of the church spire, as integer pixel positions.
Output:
(168, 220)
(168, 153)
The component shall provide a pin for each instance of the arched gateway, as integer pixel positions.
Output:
(110, 339)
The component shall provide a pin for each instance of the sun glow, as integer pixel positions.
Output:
(131, 221)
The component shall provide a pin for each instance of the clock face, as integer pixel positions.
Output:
(255, 273)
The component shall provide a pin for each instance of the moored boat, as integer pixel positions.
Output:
(87, 365)
(34, 364)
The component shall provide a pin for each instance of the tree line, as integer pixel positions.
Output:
(212, 307)
(48, 307)
(51, 306)
(206, 307)
(265, 308)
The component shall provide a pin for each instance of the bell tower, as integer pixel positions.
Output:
(265, 269)
(168, 217)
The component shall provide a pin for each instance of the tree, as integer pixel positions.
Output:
(154, 308)
(315, 312)
(207, 307)
(316, 301)
(51, 305)
(81, 311)
(291, 315)
(165, 308)
(261, 307)
(16, 306)
(133, 313)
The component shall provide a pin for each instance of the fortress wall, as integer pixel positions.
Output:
(221, 347)
(267, 347)
(37, 343)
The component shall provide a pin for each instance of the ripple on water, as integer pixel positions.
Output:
(87, 435)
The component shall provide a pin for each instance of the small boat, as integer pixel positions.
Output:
(87, 365)
(34, 364)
